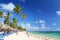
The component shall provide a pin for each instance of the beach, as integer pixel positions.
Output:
(23, 36)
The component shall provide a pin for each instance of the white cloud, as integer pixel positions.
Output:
(43, 25)
(23, 26)
(58, 12)
(4, 13)
(34, 28)
(57, 29)
(27, 25)
(36, 21)
(42, 21)
(44, 28)
(8, 6)
(54, 24)
(1, 20)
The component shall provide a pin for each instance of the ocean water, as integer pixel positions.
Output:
(51, 34)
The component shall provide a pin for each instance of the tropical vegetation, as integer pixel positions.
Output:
(13, 24)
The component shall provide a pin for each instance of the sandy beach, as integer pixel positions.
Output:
(23, 36)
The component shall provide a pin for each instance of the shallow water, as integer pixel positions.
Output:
(51, 34)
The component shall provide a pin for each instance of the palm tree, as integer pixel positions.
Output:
(17, 9)
(6, 21)
(7, 18)
(12, 25)
(1, 14)
(24, 16)
(15, 23)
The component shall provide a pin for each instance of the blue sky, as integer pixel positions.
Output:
(42, 15)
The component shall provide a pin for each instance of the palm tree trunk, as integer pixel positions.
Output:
(16, 28)
(26, 29)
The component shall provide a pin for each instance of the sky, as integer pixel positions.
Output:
(42, 15)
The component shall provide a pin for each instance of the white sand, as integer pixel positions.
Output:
(23, 36)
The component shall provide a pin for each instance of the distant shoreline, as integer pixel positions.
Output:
(48, 34)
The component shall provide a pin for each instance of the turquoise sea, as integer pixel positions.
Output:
(51, 34)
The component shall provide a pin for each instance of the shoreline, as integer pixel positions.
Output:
(42, 37)
(23, 36)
